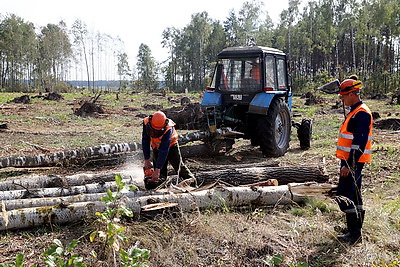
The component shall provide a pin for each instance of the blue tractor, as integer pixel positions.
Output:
(250, 94)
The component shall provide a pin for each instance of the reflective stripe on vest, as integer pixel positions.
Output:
(345, 138)
(156, 142)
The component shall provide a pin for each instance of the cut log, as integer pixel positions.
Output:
(212, 198)
(202, 135)
(234, 196)
(204, 168)
(196, 151)
(284, 175)
(187, 117)
(108, 152)
(59, 191)
(64, 156)
(31, 217)
(47, 181)
(64, 201)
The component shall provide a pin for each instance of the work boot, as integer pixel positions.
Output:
(354, 225)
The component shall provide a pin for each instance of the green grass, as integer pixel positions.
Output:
(311, 207)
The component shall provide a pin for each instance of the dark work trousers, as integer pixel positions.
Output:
(349, 190)
(174, 157)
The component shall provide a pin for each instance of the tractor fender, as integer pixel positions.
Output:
(261, 102)
(211, 99)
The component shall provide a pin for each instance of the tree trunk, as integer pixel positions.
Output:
(105, 152)
(284, 175)
(221, 197)
(196, 151)
(205, 199)
(187, 117)
(13, 204)
(205, 168)
(67, 156)
(46, 181)
(58, 191)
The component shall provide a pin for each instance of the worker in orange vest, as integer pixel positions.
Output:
(159, 133)
(354, 148)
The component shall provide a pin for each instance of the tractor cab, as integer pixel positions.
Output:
(243, 72)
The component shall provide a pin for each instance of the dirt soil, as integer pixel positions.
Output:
(253, 236)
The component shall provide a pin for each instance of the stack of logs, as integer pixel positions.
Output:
(37, 200)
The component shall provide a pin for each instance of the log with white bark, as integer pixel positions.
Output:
(234, 176)
(97, 152)
(64, 201)
(64, 156)
(202, 135)
(46, 181)
(284, 175)
(59, 191)
(213, 198)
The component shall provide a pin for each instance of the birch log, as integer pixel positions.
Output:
(46, 181)
(103, 151)
(212, 198)
(60, 191)
(64, 201)
(52, 159)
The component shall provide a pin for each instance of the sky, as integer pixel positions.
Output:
(133, 21)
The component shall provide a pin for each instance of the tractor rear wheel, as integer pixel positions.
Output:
(274, 129)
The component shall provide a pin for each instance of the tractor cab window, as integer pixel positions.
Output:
(281, 67)
(270, 73)
(242, 75)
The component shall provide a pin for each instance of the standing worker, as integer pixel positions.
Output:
(159, 133)
(354, 149)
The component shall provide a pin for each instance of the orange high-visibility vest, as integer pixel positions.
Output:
(156, 142)
(255, 72)
(345, 139)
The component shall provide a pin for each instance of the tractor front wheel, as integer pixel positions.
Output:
(274, 129)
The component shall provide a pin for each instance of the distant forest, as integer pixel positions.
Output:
(325, 39)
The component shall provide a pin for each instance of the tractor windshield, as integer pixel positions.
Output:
(239, 75)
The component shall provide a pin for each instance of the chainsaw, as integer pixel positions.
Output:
(148, 172)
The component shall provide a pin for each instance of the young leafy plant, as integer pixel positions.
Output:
(18, 262)
(135, 257)
(60, 256)
(111, 232)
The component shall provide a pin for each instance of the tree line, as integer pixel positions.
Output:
(324, 39)
(48, 56)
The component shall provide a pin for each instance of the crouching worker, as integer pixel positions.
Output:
(159, 133)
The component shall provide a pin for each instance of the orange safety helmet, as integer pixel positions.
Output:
(349, 85)
(158, 120)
